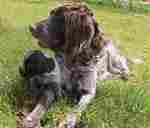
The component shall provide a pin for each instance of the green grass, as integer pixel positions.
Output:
(134, 5)
(118, 104)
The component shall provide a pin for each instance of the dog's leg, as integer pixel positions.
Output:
(88, 86)
(82, 105)
(117, 64)
(72, 117)
(33, 119)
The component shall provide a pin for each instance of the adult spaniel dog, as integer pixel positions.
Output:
(82, 51)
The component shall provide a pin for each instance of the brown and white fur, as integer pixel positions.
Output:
(73, 32)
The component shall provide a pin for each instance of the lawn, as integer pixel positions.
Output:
(118, 104)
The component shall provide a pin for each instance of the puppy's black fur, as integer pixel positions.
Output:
(42, 74)
(36, 63)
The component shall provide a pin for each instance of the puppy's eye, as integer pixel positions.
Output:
(51, 64)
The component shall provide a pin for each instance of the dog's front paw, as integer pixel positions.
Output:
(31, 122)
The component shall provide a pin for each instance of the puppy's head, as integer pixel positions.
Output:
(49, 32)
(66, 27)
(36, 63)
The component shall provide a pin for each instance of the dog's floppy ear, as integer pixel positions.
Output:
(98, 40)
(98, 29)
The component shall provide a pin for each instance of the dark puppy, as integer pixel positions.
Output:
(43, 76)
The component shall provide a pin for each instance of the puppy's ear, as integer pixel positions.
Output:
(51, 64)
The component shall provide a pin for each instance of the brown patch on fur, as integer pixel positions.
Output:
(82, 35)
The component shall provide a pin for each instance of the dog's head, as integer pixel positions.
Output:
(36, 63)
(66, 28)
(49, 35)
